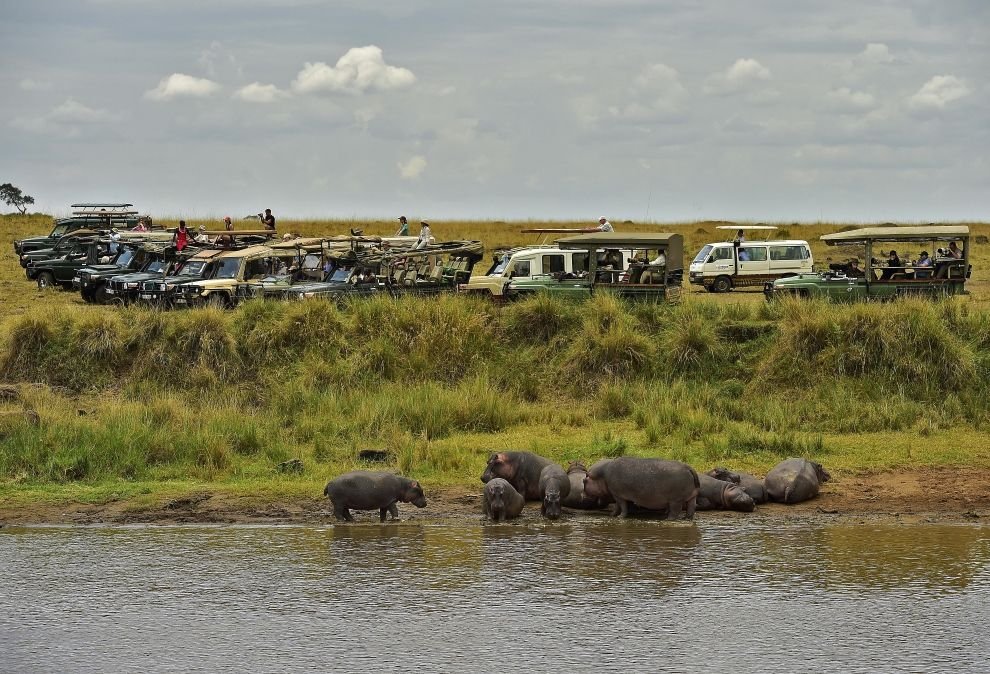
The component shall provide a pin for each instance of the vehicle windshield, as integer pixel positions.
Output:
(125, 257)
(193, 268)
(339, 276)
(500, 266)
(703, 254)
(59, 230)
(227, 268)
(311, 262)
(154, 267)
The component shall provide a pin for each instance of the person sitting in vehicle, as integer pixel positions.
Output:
(923, 266)
(893, 266)
(954, 251)
(853, 270)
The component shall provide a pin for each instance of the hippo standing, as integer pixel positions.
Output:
(577, 498)
(723, 495)
(501, 501)
(795, 480)
(555, 486)
(750, 484)
(370, 490)
(654, 484)
(521, 469)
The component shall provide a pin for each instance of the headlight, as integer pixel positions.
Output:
(309, 294)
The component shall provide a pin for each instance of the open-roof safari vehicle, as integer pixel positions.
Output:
(160, 260)
(722, 266)
(92, 280)
(229, 270)
(93, 216)
(70, 255)
(160, 290)
(928, 261)
(631, 265)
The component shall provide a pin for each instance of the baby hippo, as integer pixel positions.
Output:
(369, 490)
(722, 495)
(577, 498)
(750, 484)
(502, 501)
(555, 486)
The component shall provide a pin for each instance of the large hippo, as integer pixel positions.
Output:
(502, 502)
(722, 495)
(370, 490)
(555, 486)
(750, 484)
(521, 469)
(577, 498)
(795, 480)
(654, 484)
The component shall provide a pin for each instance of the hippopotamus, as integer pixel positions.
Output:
(577, 498)
(370, 490)
(502, 502)
(750, 484)
(722, 495)
(795, 480)
(654, 484)
(555, 486)
(521, 469)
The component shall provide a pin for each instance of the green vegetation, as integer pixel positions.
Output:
(222, 398)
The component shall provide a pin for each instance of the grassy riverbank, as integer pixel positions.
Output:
(146, 408)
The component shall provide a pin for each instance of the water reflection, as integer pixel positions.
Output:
(635, 595)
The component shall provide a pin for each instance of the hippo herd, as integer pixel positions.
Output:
(625, 484)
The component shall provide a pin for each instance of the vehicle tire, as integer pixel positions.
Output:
(722, 284)
(46, 280)
(87, 296)
(100, 294)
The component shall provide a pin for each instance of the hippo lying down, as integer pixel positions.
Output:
(369, 490)
(795, 480)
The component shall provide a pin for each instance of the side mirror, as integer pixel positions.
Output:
(711, 258)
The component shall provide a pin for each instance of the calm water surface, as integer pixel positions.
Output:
(740, 595)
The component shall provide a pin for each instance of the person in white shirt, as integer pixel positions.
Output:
(604, 225)
(424, 235)
(660, 260)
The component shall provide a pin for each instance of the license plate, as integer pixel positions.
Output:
(147, 296)
(76, 279)
(111, 291)
(180, 301)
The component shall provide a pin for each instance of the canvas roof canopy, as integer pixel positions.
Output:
(919, 233)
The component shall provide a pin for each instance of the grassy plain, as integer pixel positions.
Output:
(147, 406)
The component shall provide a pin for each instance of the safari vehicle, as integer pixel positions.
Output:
(91, 280)
(161, 290)
(720, 267)
(159, 261)
(59, 271)
(248, 265)
(91, 216)
(522, 263)
(625, 264)
(942, 275)
(306, 266)
(72, 244)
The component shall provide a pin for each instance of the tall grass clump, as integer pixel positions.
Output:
(540, 319)
(610, 342)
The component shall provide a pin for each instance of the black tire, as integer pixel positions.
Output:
(87, 296)
(46, 279)
(100, 294)
(722, 284)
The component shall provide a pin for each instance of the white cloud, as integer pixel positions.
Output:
(216, 58)
(28, 84)
(361, 69)
(65, 120)
(875, 52)
(743, 75)
(256, 92)
(847, 100)
(655, 92)
(178, 85)
(412, 168)
(938, 92)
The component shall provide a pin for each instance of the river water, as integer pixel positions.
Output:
(744, 595)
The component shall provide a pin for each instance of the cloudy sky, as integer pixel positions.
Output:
(637, 109)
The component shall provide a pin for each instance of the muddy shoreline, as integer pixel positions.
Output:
(931, 494)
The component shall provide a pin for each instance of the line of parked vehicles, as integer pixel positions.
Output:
(103, 252)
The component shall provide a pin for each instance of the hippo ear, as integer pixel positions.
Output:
(415, 484)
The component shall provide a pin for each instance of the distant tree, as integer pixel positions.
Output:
(12, 196)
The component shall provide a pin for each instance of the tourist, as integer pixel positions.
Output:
(403, 227)
(268, 220)
(604, 225)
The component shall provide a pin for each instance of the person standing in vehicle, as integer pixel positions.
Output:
(403, 227)
(740, 237)
(893, 266)
(181, 236)
(604, 225)
(954, 251)
(268, 220)
(425, 234)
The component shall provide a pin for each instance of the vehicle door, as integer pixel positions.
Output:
(721, 262)
(521, 268)
(753, 259)
(788, 258)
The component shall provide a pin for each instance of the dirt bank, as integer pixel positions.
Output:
(940, 494)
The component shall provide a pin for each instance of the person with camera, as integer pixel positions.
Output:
(267, 219)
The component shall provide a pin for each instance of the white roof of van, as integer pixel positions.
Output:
(761, 242)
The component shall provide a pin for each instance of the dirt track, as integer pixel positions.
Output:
(928, 494)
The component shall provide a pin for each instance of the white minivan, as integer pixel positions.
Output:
(720, 267)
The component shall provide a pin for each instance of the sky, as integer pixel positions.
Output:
(643, 110)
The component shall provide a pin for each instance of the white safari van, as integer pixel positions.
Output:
(736, 263)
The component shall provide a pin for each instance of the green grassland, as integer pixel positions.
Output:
(139, 404)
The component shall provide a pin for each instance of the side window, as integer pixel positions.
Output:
(721, 254)
(553, 264)
(521, 268)
(805, 253)
(787, 252)
(579, 262)
(752, 253)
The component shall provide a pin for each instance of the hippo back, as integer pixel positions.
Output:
(793, 481)
(649, 483)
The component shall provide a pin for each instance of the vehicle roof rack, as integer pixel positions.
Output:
(101, 212)
(87, 204)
